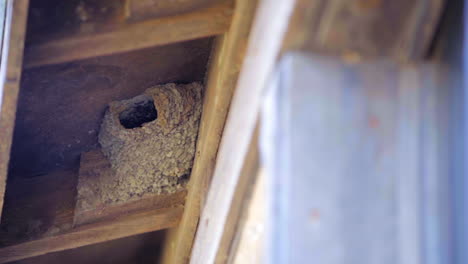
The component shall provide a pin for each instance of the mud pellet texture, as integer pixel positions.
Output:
(149, 141)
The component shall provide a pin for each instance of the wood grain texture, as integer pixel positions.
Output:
(225, 64)
(95, 233)
(94, 164)
(402, 30)
(10, 74)
(210, 21)
(263, 48)
(39, 212)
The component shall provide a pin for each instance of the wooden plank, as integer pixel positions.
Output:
(94, 164)
(263, 48)
(10, 74)
(400, 29)
(44, 206)
(144, 204)
(210, 21)
(225, 65)
(95, 233)
(39, 211)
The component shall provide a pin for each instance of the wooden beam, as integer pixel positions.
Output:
(402, 30)
(209, 21)
(95, 233)
(225, 65)
(263, 49)
(10, 74)
(39, 217)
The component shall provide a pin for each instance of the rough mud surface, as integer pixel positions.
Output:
(149, 141)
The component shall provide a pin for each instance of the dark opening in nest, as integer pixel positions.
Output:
(138, 114)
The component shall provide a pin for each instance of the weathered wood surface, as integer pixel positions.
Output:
(95, 233)
(124, 36)
(263, 48)
(94, 164)
(10, 74)
(399, 29)
(223, 73)
(39, 214)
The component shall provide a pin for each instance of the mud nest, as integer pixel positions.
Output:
(149, 141)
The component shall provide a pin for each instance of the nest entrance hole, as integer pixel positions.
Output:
(138, 114)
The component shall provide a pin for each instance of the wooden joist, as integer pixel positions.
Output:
(210, 21)
(41, 215)
(95, 233)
